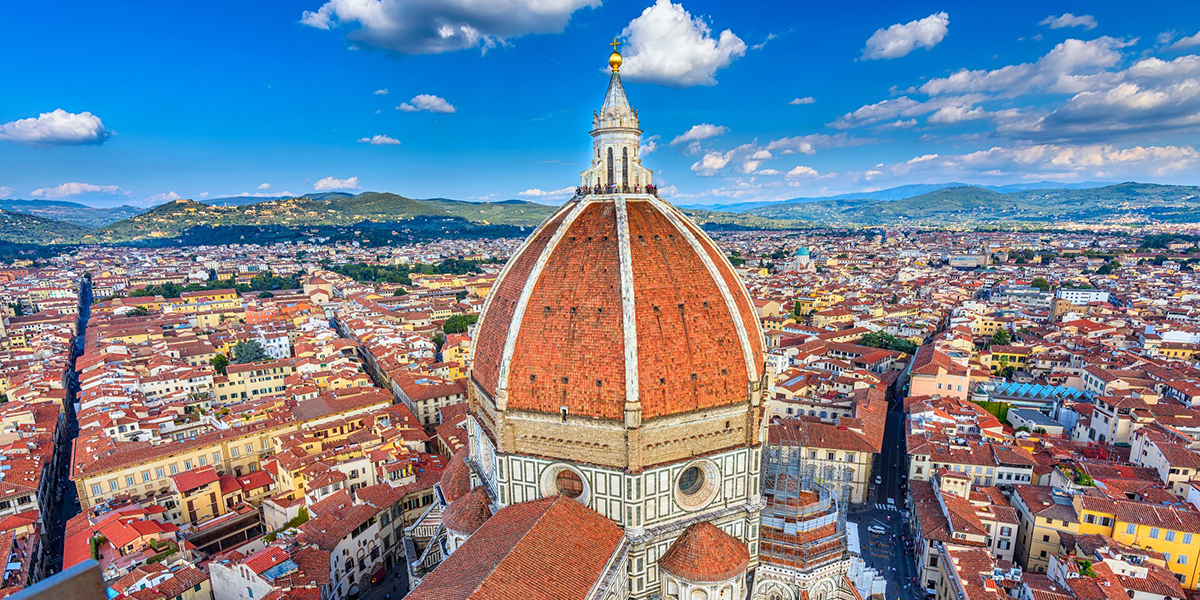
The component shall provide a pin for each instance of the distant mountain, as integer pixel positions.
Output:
(23, 228)
(967, 205)
(898, 193)
(72, 212)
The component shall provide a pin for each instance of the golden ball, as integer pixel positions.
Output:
(614, 60)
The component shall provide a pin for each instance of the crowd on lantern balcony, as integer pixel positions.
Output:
(613, 188)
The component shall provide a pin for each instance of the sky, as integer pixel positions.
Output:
(141, 103)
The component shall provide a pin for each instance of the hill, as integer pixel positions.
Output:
(71, 212)
(504, 212)
(22, 228)
(900, 193)
(970, 206)
(172, 218)
(245, 200)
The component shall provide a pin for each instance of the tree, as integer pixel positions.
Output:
(439, 340)
(138, 312)
(459, 323)
(459, 297)
(250, 351)
(1108, 268)
(219, 362)
(1001, 337)
(399, 292)
(266, 295)
(1040, 283)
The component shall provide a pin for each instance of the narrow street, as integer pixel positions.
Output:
(887, 551)
(66, 495)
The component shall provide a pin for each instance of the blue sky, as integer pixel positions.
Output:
(134, 102)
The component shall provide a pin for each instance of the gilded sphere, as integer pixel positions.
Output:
(614, 61)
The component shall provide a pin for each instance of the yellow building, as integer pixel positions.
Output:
(1171, 531)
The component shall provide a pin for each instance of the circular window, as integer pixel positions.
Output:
(691, 481)
(565, 480)
(568, 483)
(697, 485)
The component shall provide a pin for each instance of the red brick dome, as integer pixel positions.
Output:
(704, 553)
(469, 512)
(618, 303)
(456, 479)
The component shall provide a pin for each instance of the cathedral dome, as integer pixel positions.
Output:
(704, 553)
(617, 304)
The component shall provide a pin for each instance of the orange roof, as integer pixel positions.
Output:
(705, 553)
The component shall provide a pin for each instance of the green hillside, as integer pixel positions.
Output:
(506, 212)
(30, 229)
(967, 205)
(71, 212)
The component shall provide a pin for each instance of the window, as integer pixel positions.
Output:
(145, 476)
(96, 489)
(249, 448)
(1182, 559)
(1187, 538)
(174, 470)
(129, 481)
(187, 465)
(1170, 536)
(568, 483)
(1130, 529)
(112, 485)
(1006, 531)
(1154, 533)
(691, 481)
(216, 458)
(203, 461)
(849, 458)
(158, 473)
(830, 456)
(233, 452)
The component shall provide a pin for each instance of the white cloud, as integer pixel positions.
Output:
(56, 128)
(699, 132)
(809, 144)
(649, 145)
(329, 183)
(564, 193)
(380, 140)
(711, 163)
(264, 186)
(1186, 42)
(381, 92)
(769, 172)
(427, 102)
(804, 100)
(947, 115)
(1069, 20)
(802, 171)
(667, 45)
(902, 38)
(763, 154)
(202, 195)
(1071, 66)
(436, 26)
(74, 189)
(163, 197)
(283, 194)
(6, 192)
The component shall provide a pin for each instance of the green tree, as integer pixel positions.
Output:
(459, 297)
(1108, 268)
(250, 351)
(220, 362)
(138, 312)
(439, 340)
(399, 292)
(266, 295)
(1040, 283)
(1001, 337)
(459, 323)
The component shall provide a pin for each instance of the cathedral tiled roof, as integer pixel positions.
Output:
(468, 513)
(618, 299)
(456, 479)
(704, 553)
(548, 549)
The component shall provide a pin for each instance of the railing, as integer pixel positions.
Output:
(582, 191)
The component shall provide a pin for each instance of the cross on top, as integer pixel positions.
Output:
(614, 44)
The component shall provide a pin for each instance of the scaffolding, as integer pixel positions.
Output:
(804, 517)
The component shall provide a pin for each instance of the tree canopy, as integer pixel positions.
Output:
(250, 351)
(459, 323)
